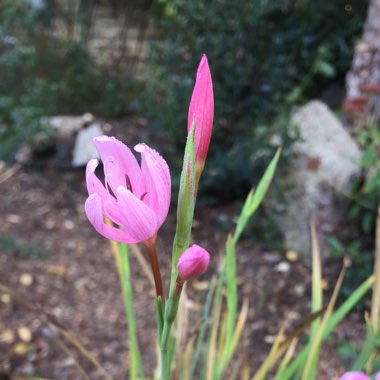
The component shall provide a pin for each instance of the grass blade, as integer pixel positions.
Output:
(375, 304)
(333, 321)
(202, 332)
(308, 373)
(255, 198)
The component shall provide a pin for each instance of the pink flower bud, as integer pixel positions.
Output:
(193, 262)
(201, 111)
(354, 376)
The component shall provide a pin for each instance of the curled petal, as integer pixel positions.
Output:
(112, 212)
(201, 110)
(157, 180)
(92, 181)
(138, 219)
(119, 162)
(94, 186)
(93, 208)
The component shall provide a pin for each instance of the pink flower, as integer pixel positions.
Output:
(201, 111)
(193, 262)
(135, 198)
(354, 376)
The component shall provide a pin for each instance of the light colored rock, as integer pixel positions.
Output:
(325, 139)
(323, 162)
(66, 126)
(84, 148)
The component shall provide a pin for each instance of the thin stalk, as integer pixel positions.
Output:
(170, 314)
(152, 253)
(135, 363)
(165, 370)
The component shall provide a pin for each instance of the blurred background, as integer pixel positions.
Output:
(299, 74)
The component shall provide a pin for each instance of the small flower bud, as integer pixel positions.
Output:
(193, 262)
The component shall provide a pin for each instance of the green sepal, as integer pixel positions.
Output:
(160, 317)
(185, 206)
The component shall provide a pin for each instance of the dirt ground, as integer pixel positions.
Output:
(70, 273)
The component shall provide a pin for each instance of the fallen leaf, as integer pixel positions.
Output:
(24, 334)
(26, 279)
(200, 285)
(6, 298)
(291, 255)
(325, 284)
(7, 336)
(21, 348)
(58, 270)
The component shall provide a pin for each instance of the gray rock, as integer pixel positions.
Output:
(66, 126)
(84, 148)
(322, 163)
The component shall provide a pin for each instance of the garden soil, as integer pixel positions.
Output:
(59, 285)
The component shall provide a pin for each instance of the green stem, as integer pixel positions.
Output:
(135, 363)
(165, 368)
(171, 310)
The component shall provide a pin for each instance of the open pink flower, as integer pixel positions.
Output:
(134, 198)
(354, 376)
(193, 262)
(201, 111)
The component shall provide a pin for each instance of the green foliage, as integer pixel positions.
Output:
(364, 201)
(365, 191)
(264, 57)
(45, 74)
(23, 251)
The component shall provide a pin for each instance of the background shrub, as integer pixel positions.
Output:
(44, 73)
(265, 56)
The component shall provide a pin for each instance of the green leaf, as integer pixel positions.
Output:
(255, 198)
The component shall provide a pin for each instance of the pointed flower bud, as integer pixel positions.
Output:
(193, 262)
(201, 112)
(135, 198)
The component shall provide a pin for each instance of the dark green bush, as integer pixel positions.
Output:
(264, 56)
(43, 75)
(364, 198)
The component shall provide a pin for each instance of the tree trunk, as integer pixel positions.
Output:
(366, 62)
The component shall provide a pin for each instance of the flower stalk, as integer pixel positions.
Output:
(152, 253)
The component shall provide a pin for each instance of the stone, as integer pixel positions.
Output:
(66, 126)
(84, 148)
(322, 163)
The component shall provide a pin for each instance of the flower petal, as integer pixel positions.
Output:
(92, 181)
(94, 186)
(93, 208)
(156, 175)
(139, 220)
(119, 162)
(354, 376)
